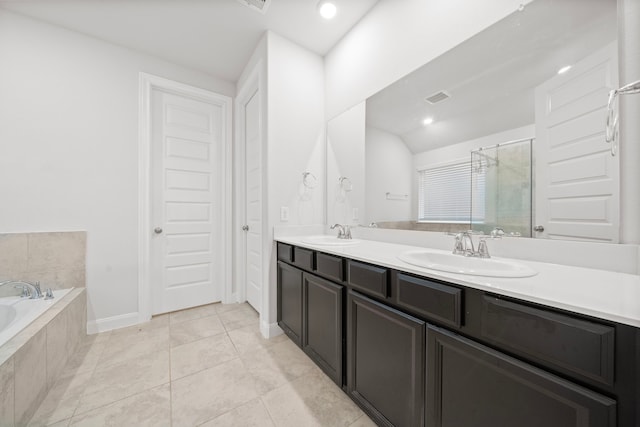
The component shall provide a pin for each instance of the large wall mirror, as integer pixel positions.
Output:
(506, 130)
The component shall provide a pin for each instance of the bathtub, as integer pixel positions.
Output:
(16, 313)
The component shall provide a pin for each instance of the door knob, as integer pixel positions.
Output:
(538, 228)
(157, 230)
(245, 228)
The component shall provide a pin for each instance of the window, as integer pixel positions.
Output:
(444, 194)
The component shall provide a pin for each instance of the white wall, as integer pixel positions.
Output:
(462, 150)
(389, 168)
(295, 140)
(69, 147)
(398, 36)
(345, 158)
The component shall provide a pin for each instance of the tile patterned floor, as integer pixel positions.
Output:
(207, 366)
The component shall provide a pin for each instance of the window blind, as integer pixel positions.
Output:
(444, 194)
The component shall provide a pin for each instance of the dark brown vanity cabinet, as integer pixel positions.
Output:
(418, 351)
(322, 324)
(469, 384)
(290, 301)
(385, 362)
(310, 308)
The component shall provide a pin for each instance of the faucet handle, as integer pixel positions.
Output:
(48, 294)
(25, 292)
(483, 249)
(457, 244)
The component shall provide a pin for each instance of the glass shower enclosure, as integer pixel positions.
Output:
(501, 188)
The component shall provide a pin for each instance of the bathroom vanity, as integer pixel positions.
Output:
(418, 347)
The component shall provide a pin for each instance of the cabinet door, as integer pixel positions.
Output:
(469, 384)
(322, 338)
(290, 301)
(385, 369)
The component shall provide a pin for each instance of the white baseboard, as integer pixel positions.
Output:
(232, 298)
(270, 330)
(111, 323)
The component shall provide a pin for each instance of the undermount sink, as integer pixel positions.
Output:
(324, 240)
(491, 267)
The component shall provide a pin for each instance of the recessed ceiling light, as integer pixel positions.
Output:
(564, 69)
(327, 9)
(427, 121)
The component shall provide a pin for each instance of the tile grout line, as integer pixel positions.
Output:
(266, 408)
(92, 371)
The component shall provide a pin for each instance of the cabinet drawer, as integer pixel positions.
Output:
(469, 384)
(368, 278)
(429, 299)
(285, 252)
(330, 266)
(303, 258)
(579, 346)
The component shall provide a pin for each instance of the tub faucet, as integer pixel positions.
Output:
(33, 289)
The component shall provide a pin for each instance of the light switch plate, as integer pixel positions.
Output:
(284, 213)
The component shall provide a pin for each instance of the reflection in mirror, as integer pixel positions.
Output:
(345, 170)
(499, 86)
(501, 188)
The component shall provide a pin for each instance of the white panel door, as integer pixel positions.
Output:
(253, 203)
(186, 202)
(577, 179)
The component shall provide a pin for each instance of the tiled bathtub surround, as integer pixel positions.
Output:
(32, 361)
(56, 260)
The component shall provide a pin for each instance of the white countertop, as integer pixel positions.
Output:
(598, 293)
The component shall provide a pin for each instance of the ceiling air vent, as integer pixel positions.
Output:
(437, 97)
(258, 5)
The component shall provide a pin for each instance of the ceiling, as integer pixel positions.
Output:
(213, 36)
(491, 77)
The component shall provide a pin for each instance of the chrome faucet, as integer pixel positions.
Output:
(32, 290)
(463, 245)
(344, 231)
(497, 233)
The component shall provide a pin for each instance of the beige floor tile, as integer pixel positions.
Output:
(249, 338)
(117, 381)
(210, 393)
(251, 414)
(198, 355)
(84, 359)
(63, 423)
(97, 338)
(122, 347)
(276, 365)
(62, 400)
(363, 421)
(150, 408)
(192, 313)
(311, 400)
(193, 330)
(223, 308)
(235, 319)
(160, 321)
